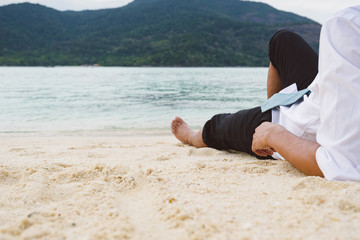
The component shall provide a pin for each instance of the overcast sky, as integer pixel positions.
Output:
(318, 10)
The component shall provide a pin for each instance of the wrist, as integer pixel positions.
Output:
(273, 131)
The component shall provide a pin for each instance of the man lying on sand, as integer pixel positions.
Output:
(318, 134)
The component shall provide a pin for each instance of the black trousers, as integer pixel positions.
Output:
(296, 62)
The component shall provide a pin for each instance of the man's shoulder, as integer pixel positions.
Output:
(351, 13)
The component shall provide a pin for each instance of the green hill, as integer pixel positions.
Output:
(147, 32)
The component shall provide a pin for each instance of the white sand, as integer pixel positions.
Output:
(144, 187)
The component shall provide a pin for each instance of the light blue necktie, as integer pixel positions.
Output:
(283, 99)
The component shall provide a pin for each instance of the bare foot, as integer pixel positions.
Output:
(181, 130)
(185, 134)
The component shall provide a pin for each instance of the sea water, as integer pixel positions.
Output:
(40, 99)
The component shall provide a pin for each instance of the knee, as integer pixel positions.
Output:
(280, 40)
(281, 36)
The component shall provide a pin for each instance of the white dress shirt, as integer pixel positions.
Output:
(330, 115)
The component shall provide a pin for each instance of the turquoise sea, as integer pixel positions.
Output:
(70, 99)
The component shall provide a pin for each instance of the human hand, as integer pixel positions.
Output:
(260, 143)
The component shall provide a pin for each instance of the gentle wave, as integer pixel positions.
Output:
(105, 98)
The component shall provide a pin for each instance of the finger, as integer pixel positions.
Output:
(261, 153)
(264, 152)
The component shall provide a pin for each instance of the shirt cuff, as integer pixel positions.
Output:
(335, 167)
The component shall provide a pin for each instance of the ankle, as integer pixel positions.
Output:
(190, 139)
(196, 139)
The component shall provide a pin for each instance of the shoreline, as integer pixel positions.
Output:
(129, 132)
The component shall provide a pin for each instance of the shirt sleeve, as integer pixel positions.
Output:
(339, 97)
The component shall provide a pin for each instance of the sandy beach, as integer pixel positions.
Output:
(141, 186)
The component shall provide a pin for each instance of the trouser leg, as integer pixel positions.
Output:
(294, 59)
(234, 131)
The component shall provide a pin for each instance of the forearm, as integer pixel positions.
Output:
(299, 152)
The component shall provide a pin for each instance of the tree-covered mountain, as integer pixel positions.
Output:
(147, 32)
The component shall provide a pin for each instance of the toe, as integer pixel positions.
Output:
(179, 120)
(174, 125)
